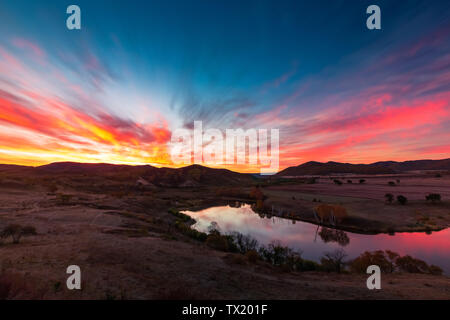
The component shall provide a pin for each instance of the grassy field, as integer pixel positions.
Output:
(129, 247)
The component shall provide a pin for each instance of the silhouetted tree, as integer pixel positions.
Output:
(433, 197)
(334, 261)
(389, 197)
(402, 199)
(16, 231)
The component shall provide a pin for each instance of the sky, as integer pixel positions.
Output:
(117, 89)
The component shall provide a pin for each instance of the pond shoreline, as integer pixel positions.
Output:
(351, 224)
(313, 239)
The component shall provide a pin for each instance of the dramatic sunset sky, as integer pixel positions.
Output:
(115, 90)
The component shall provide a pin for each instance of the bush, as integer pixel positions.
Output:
(181, 216)
(389, 197)
(218, 242)
(384, 259)
(361, 181)
(16, 231)
(334, 261)
(412, 265)
(349, 181)
(337, 181)
(433, 197)
(188, 231)
(435, 270)
(281, 256)
(389, 262)
(402, 199)
(391, 183)
(308, 265)
(244, 243)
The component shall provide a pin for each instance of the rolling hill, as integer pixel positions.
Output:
(385, 167)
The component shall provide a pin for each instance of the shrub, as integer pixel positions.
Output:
(402, 199)
(337, 181)
(361, 181)
(278, 255)
(391, 183)
(334, 261)
(188, 231)
(390, 261)
(308, 265)
(412, 265)
(384, 259)
(435, 270)
(433, 197)
(181, 216)
(218, 242)
(244, 243)
(16, 231)
(389, 197)
(349, 181)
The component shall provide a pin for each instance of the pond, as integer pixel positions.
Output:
(313, 241)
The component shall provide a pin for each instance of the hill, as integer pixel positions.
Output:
(190, 176)
(386, 167)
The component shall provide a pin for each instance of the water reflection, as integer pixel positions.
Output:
(314, 240)
(333, 235)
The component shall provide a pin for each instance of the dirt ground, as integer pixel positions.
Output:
(127, 248)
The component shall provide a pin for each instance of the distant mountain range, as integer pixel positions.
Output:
(383, 167)
(190, 176)
(199, 175)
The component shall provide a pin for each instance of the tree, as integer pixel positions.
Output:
(433, 197)
(16, 231)
(334, 261)
(389, 197)
(214, 228)
(402, 199)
